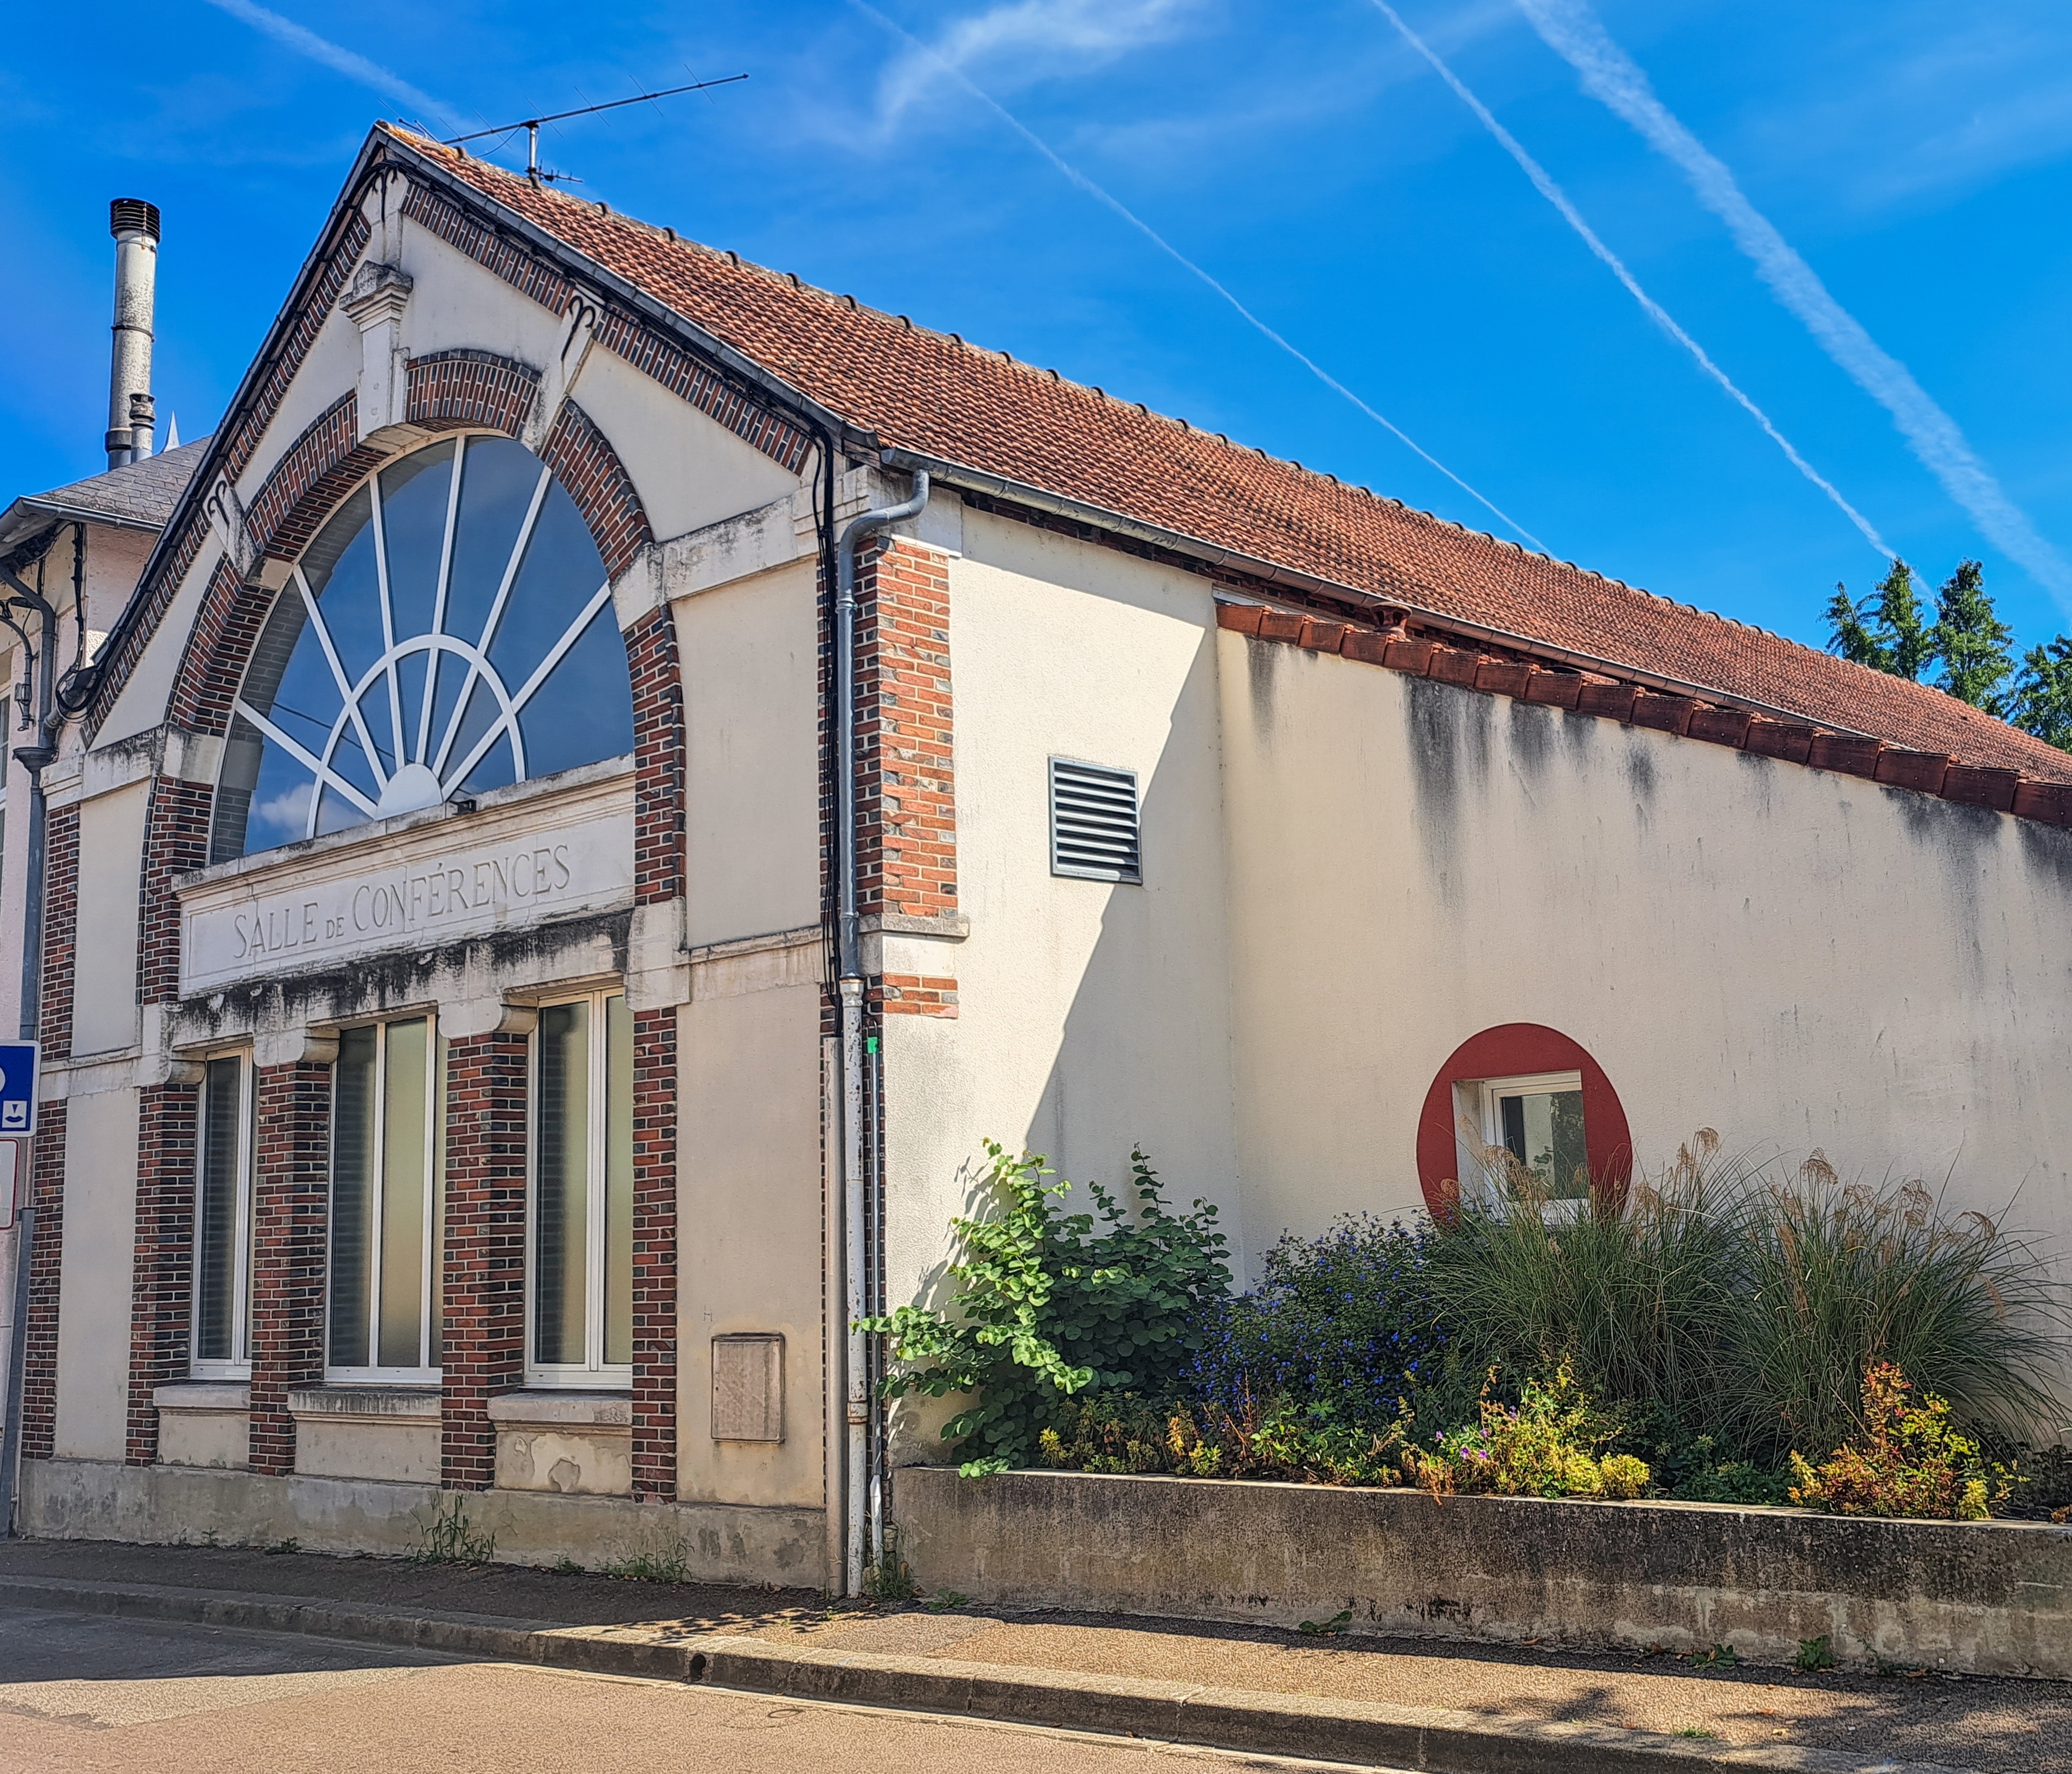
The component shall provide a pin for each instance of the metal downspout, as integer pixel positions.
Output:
(849, 986)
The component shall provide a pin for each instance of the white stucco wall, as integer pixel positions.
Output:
(1092, 1017)
(1794, 958)
(749, 1233)
(95, 1287)
(111, 845)
(689, 472)
(752, 732)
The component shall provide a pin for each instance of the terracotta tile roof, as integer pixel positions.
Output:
(933, 393)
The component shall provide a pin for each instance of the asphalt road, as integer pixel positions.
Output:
(82, 1694)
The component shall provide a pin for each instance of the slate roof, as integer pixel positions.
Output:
(142, 495)
(934, 394)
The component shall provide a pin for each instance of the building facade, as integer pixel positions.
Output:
(446, 1092)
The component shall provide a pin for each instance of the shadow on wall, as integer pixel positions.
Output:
(1143, 1057)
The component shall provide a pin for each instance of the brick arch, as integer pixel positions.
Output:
(449, 391)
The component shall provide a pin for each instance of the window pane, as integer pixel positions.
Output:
(351, 1196)
(403, 1198)
(560, 1198)
(219, 1188)
(1543, 1132)
(618, 1181)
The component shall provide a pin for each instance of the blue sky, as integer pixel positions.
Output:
(1917, 158)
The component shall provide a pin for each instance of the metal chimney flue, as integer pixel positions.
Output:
(131, 417)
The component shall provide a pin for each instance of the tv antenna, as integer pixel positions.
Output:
(531, 125)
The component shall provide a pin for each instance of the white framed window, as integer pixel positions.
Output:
(222, 1347)
(1528, 1126)
(579, 1237)
(386, 1171)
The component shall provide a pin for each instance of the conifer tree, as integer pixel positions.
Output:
(1886, 631)
(1970, 642)
(2041, 700)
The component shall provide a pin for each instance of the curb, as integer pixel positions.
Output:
(1292, 1725)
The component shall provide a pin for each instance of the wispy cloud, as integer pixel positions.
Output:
(1608, 75)
(1024, 39)
(1172, 252)
(1543, 182)
(340, 61)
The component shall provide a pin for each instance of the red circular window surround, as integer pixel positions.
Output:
(1510, 1050)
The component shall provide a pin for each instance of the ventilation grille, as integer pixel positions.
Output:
(1093, 822)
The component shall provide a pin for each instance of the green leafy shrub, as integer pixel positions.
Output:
(1049, 1305)
(1732, 1481)
(1308, 1442)
(1348, 1316)
(1906, 1460)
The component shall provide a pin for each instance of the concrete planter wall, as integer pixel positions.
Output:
(1990, 1598)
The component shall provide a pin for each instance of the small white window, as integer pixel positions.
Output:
(1094, 832)
(1524, 1130)
(579, 1295)
(386, 1110)
(223, 1222)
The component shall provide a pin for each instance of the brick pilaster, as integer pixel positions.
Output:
(47, 1158)
(906, 845)
(161, 1300)
(290, 1222)
(654, 1254)
(483, 1265)
(40, 1347)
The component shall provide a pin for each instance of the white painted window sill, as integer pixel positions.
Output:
(202, 1395)
(542, 1405)
(368, 1402)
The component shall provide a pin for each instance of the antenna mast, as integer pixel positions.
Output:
(531, 125)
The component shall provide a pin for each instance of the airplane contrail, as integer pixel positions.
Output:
(1610, 75)
(349, 63)
(1099, 195)
(1543, 182)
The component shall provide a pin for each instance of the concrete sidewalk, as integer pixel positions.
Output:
(1366, 1700)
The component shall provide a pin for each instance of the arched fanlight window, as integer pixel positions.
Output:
(450, 631)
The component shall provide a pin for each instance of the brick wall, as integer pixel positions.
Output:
(213, 665)
(39, 1346)
(290, 1222)
(658, 757)
(654, 1254)
(175, 842)
(468, 387)
(907, 852)
(60, 929)
(483, 1266)
(162, 1301)
(46, 1161)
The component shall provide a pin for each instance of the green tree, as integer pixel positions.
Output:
(1971, 642)
(1887, 630)
(2041, 702)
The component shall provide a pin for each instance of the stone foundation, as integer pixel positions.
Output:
(169, 1506)
(1989, 1598)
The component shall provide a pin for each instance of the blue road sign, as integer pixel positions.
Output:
(17, 1088)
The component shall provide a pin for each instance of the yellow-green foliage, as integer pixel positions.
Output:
(1546, 1447)
(1906, 1460)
